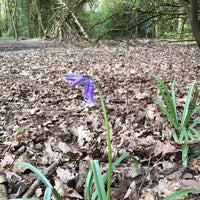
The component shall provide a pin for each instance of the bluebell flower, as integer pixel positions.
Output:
(70, 76)
(90, 95)
(88, 88)
(79, 78)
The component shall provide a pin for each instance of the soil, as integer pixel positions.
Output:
(12, 45)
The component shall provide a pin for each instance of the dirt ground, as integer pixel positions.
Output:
(12, 45)
(43, 121)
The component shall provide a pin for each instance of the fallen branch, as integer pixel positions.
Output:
(33, 187)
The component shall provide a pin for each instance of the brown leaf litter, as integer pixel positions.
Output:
(60, 125)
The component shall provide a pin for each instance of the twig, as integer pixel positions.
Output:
(187, 142)
(33, 187)
(3, 102)
(138, 193)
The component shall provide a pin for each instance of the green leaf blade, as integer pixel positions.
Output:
(180, 193)
(99, 183)
(185, 112)
(117, 162)
(36, 171)
(88, 184)
(47, 193)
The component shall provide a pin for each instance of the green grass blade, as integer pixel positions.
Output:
(88, 184)
(174, 100)
(117, 162)
(185, 149)
(185, 133)
(195, 110)
(36, 171)
(180, 193)
(168, 100)
(175, 137)
(47, 193)
(167, 113)
(121, 158)
(181, 137)
(190, 135)
(56, 194)
(185, 112)
(194, 154)
(99, 183)
(196, 133)
(194, 123)
(191, 109)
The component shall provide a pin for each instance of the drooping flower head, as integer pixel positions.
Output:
(88, 88)
(91, 92)
(75, 78)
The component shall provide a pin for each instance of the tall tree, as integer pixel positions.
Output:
(191, 7)
(181, 21)
(40, 22)
(12, 7)
(0, 21)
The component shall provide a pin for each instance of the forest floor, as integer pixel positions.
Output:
(42, 119)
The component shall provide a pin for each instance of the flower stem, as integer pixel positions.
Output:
(108, 140)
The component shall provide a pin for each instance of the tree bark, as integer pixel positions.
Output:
(41, 27)
(195, 24)
(192, 12)
(14, 18)
(181, 21)
(0, 22)
(28, 18)
(12, 6)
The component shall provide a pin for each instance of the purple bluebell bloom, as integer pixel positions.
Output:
(86, 87)
(70, 76)
(76, 78)
(90, 95)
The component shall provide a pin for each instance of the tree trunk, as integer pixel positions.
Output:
(157, 29)
(28, 18)
(41, 27)
(14, 18)
(12, 9)
(181, 22)
(192, 12)
(195, 24)
(0, 22)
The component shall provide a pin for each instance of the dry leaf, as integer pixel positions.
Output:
(164, 148)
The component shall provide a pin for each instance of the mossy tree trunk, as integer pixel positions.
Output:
(195, 23)
(42, 30)
(191, 9)
(181, 22)
(12, 7)
(28, 18)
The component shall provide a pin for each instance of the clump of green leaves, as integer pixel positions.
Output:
(181, 131)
